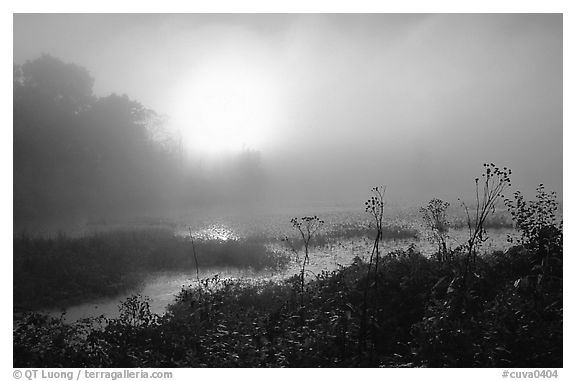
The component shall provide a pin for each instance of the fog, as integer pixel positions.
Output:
(278, 110)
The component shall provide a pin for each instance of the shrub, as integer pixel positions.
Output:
(436, 221)
(541, 233)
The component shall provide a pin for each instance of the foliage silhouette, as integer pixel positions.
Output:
(436, 221)
(307, 226)
(494, 181)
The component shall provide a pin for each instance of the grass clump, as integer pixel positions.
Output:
(58, 271)
(349, 231)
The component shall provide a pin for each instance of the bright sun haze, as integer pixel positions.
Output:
(334, 101)
(226, 104)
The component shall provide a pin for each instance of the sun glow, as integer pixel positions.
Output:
(225, 105)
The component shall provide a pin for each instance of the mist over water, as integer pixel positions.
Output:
(277, 111)
(287, 190)
(246, 121)
(228, 126)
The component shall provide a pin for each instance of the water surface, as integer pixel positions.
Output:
(161, 288)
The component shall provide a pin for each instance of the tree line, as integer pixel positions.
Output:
(78, 154)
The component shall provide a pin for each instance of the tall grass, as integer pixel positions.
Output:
(416, 318)
(58, 271)
(354, 231)
(501, 219)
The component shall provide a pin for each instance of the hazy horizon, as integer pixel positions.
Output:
(335, 103)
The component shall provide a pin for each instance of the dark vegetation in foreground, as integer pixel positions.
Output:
(420, 315)
(501, 310)
(50, 272)
(401, 309)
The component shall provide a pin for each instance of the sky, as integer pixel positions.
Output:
(337, 103)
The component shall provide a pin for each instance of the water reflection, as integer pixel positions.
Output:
(219, 232)
(162, 288)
